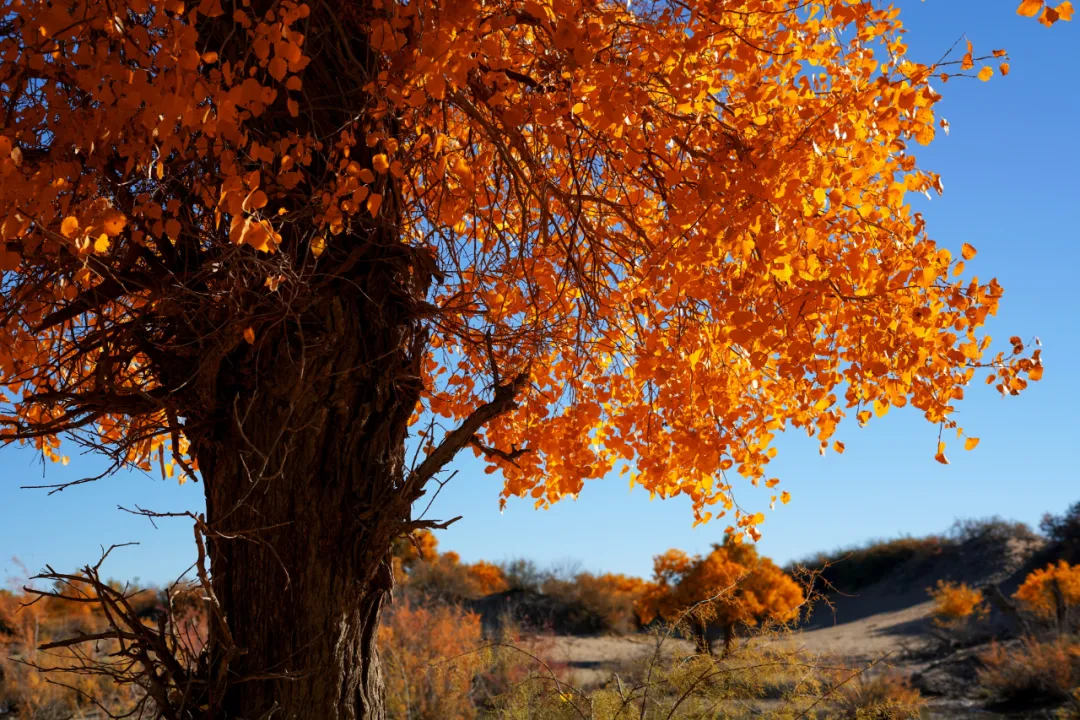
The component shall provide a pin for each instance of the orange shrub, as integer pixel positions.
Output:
(1033, 672)
(28, 693)
(611, 596)
(877, 696)
(956, 601)
(1038, 593)
(730, 586)
(431, 654)
(488, 578)
(418, 564)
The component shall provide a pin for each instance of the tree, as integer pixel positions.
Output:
(730, 586)
(253, 243)
(1051, 592)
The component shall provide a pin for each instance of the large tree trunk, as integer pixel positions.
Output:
(306, 490)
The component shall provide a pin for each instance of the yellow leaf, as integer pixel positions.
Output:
(785, 497)
(838, 447)
(69, 226)
(968, 251)
(1029, 8)
(940, 457)
(102, 243)
(1065, 11)
(819, 196)
(761, 120)
(380, 163)
(374, 201)
(772, 482)
(971, 443)
(986, 73)
(249, 336)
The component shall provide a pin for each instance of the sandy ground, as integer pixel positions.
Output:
(871, 637)
(590, 660)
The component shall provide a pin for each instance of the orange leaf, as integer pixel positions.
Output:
(69, 226)
(1029, 8)
(374, 201)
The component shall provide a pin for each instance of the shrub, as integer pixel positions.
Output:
(956, 601)
(1063, 529)
(523, 574)
(730, 586)
(1052, 593)
(1035, 672)
(431, 653)
(30, 694)
(994, 528)
(487, 577)
(877, 696)
(421, 570)
(611, 599)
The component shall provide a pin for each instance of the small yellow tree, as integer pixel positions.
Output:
(730, 586)
(956, 602)
(1051, 592)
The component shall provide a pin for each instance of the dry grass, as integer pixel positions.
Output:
(1034, 673)
(878, 696)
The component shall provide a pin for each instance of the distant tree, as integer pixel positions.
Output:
(420, 566)
(1052, 593)
(523, 574)
(729, 587)
(1063, 532)
(487, 577)
(257, 244)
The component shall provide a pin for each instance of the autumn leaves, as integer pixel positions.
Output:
(687, 226)
(1047, 15)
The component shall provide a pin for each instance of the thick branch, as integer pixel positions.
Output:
(504, 401)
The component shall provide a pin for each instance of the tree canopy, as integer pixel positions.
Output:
(661, 231)
(730, 586)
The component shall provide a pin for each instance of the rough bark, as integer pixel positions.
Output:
(303, 456)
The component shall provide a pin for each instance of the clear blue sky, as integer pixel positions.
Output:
(1012, 189)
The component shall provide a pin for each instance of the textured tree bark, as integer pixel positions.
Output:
(303, 454)
(303, 603)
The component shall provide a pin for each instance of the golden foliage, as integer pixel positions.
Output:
(873, 695)
(418, 562)
(738, 586)
(680, 240)
(67, 689)
(1041, 588)
(957, 601)
(430, 655)
(1032, 672)
(487, 578)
